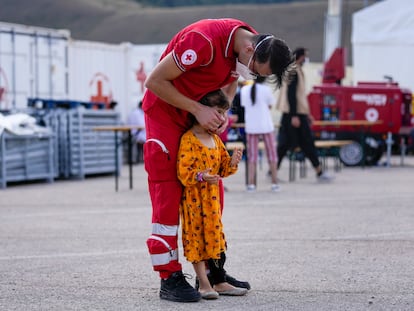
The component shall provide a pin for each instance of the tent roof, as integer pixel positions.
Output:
(388, 21)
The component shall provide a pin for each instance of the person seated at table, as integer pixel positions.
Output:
(137, 118)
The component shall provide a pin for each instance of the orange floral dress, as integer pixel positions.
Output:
(202, 230)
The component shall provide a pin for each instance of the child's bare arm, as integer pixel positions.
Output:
(236, 156)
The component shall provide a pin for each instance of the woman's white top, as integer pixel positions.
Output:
(258, 118)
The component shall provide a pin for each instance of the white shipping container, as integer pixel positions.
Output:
(141, 59)
(47, 64)
(96, 72)
(101, 72)
(33, 64)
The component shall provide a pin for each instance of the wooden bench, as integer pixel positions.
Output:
(328, 148)
(296, 156)
(231, 145)
(325, 148)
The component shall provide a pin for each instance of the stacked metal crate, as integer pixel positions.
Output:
(90, 151)
(74, 149)
(56, 119)
(80, 150)
(26, 157)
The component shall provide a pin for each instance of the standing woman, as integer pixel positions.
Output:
(257, 100)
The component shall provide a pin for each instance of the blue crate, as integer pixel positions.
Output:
(44, 103)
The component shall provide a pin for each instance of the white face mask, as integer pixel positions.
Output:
(244, 70)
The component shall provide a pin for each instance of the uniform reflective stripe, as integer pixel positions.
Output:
(153, 237)
(160, 143)
(164, 229)
(164, 258)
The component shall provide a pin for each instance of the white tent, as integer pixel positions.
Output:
(383, 42)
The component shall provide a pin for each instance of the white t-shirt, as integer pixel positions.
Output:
(137, 118)
(258, 118)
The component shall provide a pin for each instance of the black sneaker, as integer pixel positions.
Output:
(236, 283)
(176, 288)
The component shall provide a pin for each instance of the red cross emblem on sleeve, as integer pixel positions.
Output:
(189, 57)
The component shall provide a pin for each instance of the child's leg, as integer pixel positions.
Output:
(218, 275)
(200, 270)
(252, 150)
(217, 272)
(270, 145)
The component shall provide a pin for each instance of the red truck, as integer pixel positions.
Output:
(385, 103)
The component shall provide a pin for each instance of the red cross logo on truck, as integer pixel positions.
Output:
(141, 76)
(3, 90)
(100, 84)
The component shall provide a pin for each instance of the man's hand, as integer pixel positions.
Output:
(209, 118)
(222, 127)
(295, 121)
(311, 119)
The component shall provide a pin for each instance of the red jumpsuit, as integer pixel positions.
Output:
(204, 51)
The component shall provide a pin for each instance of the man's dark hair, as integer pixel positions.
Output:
(278, 54)
(299, 52)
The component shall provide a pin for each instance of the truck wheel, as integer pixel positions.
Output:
(351, 155)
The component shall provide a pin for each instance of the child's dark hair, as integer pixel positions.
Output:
(216, 99)
(298, 52)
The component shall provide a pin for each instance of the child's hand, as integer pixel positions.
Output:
(236, 156)
(211, 179)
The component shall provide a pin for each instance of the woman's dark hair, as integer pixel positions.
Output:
(276, 51)
(259, 80)
(299, 52)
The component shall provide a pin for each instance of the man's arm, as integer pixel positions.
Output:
(292, 99)
(159, 82)
(292, 87)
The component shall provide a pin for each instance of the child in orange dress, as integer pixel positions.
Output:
(202, 160)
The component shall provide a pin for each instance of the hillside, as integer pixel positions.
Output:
(115, 21)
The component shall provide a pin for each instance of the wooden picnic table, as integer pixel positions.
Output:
(116, 129)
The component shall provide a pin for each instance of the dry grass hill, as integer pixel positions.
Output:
(114, 21)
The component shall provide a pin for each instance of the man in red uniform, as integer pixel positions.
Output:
(204, 56)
